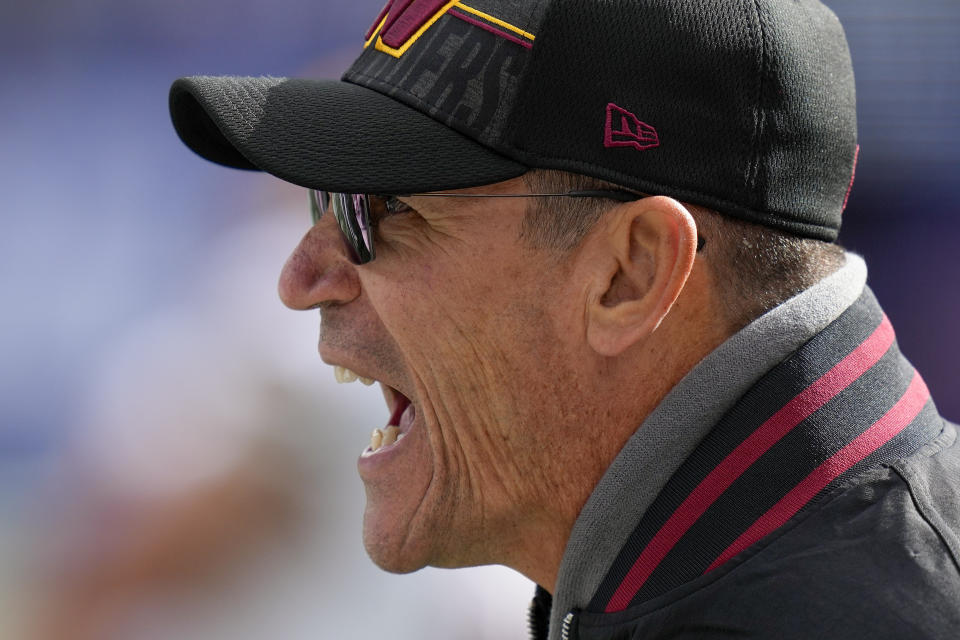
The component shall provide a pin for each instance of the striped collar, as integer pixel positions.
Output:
(845, 401)
(779, 435)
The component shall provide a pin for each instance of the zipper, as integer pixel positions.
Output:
(565, 630)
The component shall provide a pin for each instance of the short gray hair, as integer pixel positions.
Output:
(562, 223)
(754, 268)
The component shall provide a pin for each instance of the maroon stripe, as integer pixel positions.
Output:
(882, 431)
(397, 7)
(376, 23)
(842, 375)
(853, 176)
(406, 18)
(494, 30)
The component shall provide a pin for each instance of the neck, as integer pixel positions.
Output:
(603, 402)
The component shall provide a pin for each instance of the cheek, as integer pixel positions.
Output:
(430, 304)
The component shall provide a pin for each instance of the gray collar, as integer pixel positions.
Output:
(672, 431)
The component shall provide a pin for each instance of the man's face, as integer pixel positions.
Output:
(476, 329)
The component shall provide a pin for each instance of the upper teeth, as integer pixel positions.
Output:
(342, 374)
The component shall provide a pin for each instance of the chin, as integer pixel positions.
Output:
(390, 564)
(389, 544)
(390, 557)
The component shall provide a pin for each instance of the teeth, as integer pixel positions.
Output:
(381, 438)
(389, 436)
(344, 375)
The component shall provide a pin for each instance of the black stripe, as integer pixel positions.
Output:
(923, 429)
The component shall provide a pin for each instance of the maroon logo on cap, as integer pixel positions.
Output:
(624, 129)
(403, 18)
(402, 22)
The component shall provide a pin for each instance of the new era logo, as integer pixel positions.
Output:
(625, 130)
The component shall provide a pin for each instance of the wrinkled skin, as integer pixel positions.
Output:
(485, 336)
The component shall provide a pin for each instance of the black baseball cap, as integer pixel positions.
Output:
(743, 106)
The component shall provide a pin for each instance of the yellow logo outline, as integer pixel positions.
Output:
(379, 45)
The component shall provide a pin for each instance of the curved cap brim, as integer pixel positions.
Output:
(328, 134)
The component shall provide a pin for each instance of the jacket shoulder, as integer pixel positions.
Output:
(933, 479)
(875, 558)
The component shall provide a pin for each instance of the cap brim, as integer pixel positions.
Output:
(328, 134)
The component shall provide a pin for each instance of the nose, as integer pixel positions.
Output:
(318, 270)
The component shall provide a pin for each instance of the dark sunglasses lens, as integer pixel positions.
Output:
(352, 211)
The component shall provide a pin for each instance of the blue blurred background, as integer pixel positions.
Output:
(174, 460)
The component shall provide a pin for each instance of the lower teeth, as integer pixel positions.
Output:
(384, 437)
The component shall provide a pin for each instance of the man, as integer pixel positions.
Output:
(682, 414)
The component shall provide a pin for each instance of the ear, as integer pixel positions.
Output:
(648, 248)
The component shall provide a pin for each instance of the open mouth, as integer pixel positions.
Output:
(402, 413)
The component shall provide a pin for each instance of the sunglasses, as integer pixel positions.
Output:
(354, 211)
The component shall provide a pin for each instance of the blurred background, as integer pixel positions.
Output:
(175, 461)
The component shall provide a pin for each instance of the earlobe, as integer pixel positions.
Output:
(653, 243)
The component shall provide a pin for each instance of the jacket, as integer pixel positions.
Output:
(824, 501)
